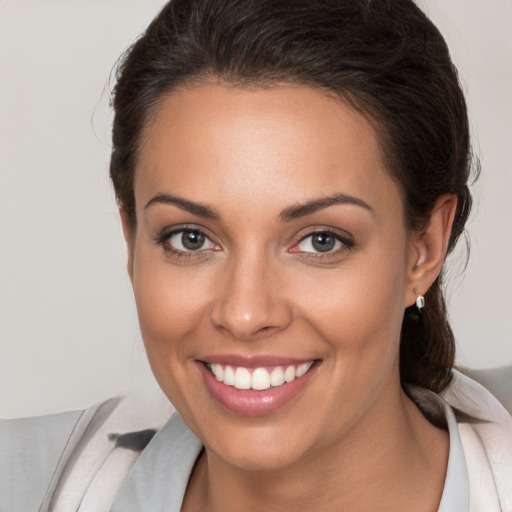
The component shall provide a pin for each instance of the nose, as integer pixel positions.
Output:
(250, 303)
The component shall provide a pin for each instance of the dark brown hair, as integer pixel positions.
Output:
(384, 56)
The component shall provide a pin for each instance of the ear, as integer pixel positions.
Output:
(428, 248)
(129, 236)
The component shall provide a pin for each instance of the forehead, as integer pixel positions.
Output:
(278, 145)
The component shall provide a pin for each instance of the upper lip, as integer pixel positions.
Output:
(253, 361)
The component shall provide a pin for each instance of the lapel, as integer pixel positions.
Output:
(159, 478)
(485, 429)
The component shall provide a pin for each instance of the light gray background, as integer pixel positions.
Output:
(68, 328)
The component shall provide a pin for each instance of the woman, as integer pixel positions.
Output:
(290, 179)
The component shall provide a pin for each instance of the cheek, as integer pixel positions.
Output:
(171, 313)
(358, 308)
(357, 298)
(357, 312)
(170, 307)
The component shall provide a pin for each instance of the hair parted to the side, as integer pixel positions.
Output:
(383, 56)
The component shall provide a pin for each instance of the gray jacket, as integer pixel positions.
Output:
(131, 455)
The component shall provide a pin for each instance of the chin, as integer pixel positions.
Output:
(265, 451)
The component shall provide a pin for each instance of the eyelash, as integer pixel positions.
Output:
(163, 241)
(347, 243)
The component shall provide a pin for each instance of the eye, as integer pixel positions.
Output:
(188, 240)
(322, 242)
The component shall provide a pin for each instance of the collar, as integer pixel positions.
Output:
(160, 476)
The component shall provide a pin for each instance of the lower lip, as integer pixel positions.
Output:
(252, 402)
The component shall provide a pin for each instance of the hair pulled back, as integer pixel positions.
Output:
(383, 56)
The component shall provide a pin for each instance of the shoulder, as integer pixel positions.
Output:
(497, 380)
(30, 449)
(61, 454)
(485, 429)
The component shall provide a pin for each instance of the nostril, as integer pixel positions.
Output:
(269, 329)
(247, 334)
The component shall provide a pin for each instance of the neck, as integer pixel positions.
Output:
(393, 461)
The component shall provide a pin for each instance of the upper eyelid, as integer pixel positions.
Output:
(340, 234)
(334, 234)
(162, 240)
(347, 243)
(172, 230)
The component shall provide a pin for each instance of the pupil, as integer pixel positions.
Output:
(192, 240)
(323, 242)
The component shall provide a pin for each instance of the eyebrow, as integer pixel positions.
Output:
(198, 209)
(288, 214)
(301, 210)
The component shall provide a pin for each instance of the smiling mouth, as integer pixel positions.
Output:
(257, 379)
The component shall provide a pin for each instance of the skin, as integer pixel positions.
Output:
(351, 440)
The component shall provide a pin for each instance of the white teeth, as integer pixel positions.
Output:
(289, 374)
(242, 378)
(229, 376)
(277, 377)
(303, 368)
(260, 378)
(218, 372)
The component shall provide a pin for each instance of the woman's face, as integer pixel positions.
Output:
(270, 240)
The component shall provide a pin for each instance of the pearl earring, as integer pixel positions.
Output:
(420, 303)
